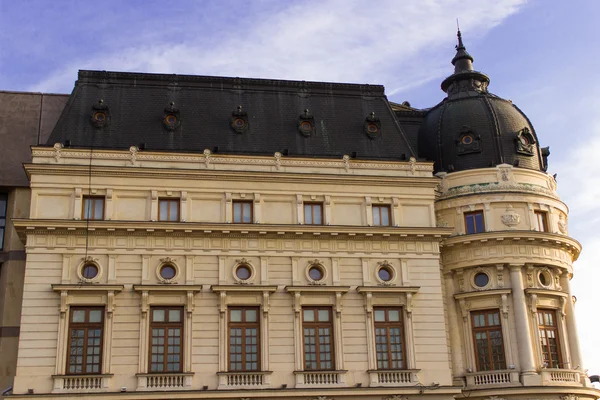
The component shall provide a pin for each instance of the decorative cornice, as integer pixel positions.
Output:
(495, 187)
(482, 293)
(167, 288)
(317, 289)
(245, 288)
(87, 287)
(387, 289)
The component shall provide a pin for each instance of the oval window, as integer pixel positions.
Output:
(89, 271)
(306, 126)
(168, 272)
(100, 116)
(239, 123)
(385, 274)
(467, 139)
(171, 119)
(372, 128)
(481, 279)
(243, 272)
(316, 273)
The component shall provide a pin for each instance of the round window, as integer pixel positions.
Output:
(89, 271)
(306, 126)
(385, 274)
(99, 116)
(481, 279)
(545, 278)
(524, 140)
(170, 119)
(168, 272)
(316, 273)
(372, 128)
(467, 139)
(243, 272)
(239, 123)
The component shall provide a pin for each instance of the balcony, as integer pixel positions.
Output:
(178, 381)
(320, 379)
(477, 380)
(81, 383)
(560, 377)
(393, 378)
(244, 380)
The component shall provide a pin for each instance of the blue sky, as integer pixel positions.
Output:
(542, 54)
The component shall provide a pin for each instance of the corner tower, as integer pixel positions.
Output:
(506, 268)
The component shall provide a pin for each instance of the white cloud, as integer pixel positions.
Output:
(333, 40)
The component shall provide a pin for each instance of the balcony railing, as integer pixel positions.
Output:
(81, 383)
(555, 376)
(493, 378)
(164, 381)
(244, 380)
(393, 378)
(320, 378)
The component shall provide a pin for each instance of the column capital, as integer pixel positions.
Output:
(515, 267)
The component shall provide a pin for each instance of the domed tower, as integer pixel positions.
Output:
(508, 264)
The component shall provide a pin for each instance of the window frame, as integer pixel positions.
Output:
(3, 219)
(166, 325)
(541, 216)
(487, 329)
(312, 206)
(244, 324)
(473, 214)
(93, 199)
(169, 200)
(377, 208)
(387, 325)
(557, 337)
(242, 203)
(86, 326)
(317, 325)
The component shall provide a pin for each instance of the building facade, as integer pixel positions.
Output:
(202, 237)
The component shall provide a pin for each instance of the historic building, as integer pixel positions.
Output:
(206, 237)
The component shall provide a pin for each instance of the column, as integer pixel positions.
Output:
(576, 360)
(457, 348)
(523, 327)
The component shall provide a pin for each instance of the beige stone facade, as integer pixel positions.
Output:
(430, 260)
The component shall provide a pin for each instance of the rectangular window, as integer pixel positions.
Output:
(487, 336)
(541, 221)
(389, 338)
(313, 213)
(381, 215)
(317, 326)
(242, 212)
(244, 339)
(474, 222)
(93, 207)
(3, 203)
(168, 209)
(166, 328)
(548, 329)
(85, 340)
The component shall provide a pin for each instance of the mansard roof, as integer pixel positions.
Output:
(133, 107)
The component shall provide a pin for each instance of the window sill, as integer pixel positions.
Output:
(164, 381)
(393, 377)
(320, 379)
(83, 383)
(508, 377)
(244, 380)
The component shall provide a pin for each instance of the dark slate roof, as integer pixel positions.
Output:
(136, 105)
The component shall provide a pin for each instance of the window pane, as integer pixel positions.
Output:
(95, 316)
(479, 222)
(250, 315)
(237, 212)
(164, 210)
(78, 315)
(323, 315)
(158, 315)
(394, 315)
(247, 212)
(379, 315)
(317, 214)
(385, 218)
(174, 315)
(87, 208)
(235, 315)
(2, 206)
(376, 216)
(309, 315)
(173, 211)
(308, 214)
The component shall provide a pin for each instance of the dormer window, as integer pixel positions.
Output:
(171, 118)
(372, 126)
(239, 120)
(306, 123)
(525, 142)
(467, 141)
(100, 115)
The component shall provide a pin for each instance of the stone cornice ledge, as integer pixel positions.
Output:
(243, 288)
(481, 293)
(66, 226)
(543, 238)
(317, 289)
(546, 292)
(167, 288)
(87, 287)
(388, 289)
